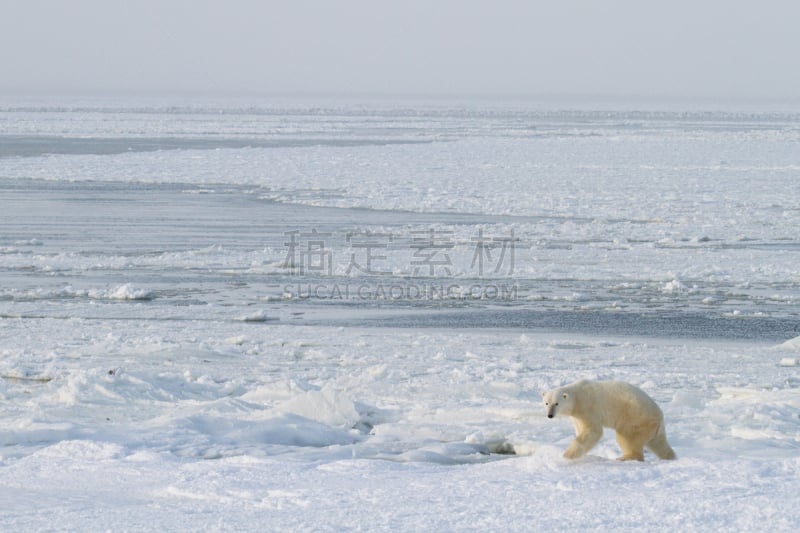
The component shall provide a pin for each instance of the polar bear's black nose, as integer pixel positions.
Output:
(550, 415)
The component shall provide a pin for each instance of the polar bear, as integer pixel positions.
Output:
(628, 410)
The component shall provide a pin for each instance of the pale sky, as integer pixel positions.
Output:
(675, 49)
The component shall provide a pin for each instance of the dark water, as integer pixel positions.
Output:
(662, 324)
(37, 145)
(60, 241)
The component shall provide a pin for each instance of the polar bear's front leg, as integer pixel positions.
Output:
(587, 436)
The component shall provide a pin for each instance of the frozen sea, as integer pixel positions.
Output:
(330, 315)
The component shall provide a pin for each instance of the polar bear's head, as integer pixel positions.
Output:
(557, 401)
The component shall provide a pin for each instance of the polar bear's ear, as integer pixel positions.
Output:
(544, 394)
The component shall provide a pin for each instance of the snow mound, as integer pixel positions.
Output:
(446, 453)
(279, 391)
(674, 286)
(791, 344)
(28, 431)
(326, 405)
(121, 292)
(29, 242)
(83, 449)
(258, 316)
(283, 429)
(691, 400)
(765, 417)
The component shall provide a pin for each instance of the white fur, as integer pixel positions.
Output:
(628, 410)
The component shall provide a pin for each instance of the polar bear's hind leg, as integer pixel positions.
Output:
(659, 445)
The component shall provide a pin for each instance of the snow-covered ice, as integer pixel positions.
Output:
(235, 317)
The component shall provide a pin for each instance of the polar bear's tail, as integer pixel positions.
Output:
(659, 445)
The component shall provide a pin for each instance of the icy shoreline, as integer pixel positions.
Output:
(282, 317)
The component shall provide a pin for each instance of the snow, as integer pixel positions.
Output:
(791, 344)
(336, 428)
(163, 366)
